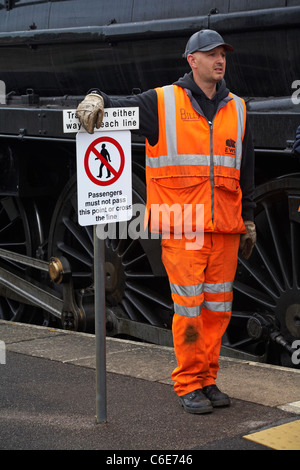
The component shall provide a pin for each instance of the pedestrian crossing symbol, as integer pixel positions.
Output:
(104, 161)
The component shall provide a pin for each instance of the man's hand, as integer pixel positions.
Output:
(248, 239)
(90, 112)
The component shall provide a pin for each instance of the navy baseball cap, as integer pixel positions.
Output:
(205, 40)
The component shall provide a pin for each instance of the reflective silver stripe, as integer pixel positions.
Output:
(186, 291)
(218, 287)
(166, 160)
(190, 291)
(225, 160)
(240, 114)
(187, 311)
(218, 306)
(197, 289)
(170, 119)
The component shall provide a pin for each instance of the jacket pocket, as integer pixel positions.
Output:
(228, 205)
(175, 199)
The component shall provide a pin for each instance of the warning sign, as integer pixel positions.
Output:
(104, 177)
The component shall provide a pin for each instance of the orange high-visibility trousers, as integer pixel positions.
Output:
(201, 283)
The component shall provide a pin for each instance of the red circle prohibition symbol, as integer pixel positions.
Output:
(92, 149)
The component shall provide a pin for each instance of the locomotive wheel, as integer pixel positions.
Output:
(267, 286)
(136, 288)
(19, 232)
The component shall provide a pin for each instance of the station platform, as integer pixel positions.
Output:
(48, 400)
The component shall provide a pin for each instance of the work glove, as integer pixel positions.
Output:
(90, 112)
(248, 239)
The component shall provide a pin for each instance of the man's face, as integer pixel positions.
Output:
(209, 66)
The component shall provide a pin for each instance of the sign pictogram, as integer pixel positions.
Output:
(111, 162)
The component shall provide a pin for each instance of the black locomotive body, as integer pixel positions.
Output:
(52, 53)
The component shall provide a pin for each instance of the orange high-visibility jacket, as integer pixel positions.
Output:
(196, 163)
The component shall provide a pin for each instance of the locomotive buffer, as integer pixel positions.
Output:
(104, 193)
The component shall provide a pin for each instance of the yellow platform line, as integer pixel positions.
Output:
(282, 437)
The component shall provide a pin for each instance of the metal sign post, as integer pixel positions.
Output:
(100, 328)
(104, 195)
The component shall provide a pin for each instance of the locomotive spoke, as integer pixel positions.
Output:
(79, 236)
(128, 249)
(254, 294)
(89, 233)
(149, 294)
(76, 254)
(267, 263)
(132, 313)
(13, 246)
(139, 275)
(141, 307)
(258, 277)
(6, 227)
(280, 248)
(137, 259)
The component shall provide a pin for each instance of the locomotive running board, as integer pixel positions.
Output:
(116, 325)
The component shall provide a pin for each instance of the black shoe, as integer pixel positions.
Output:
(196, 402)
(216, 397)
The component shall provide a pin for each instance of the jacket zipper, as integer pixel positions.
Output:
(210, 123)
(212, 180)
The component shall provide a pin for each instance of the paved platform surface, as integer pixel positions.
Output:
(48, 399)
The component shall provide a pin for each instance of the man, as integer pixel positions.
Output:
(199, 152)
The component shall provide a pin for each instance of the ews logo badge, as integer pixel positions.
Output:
(230, 147)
